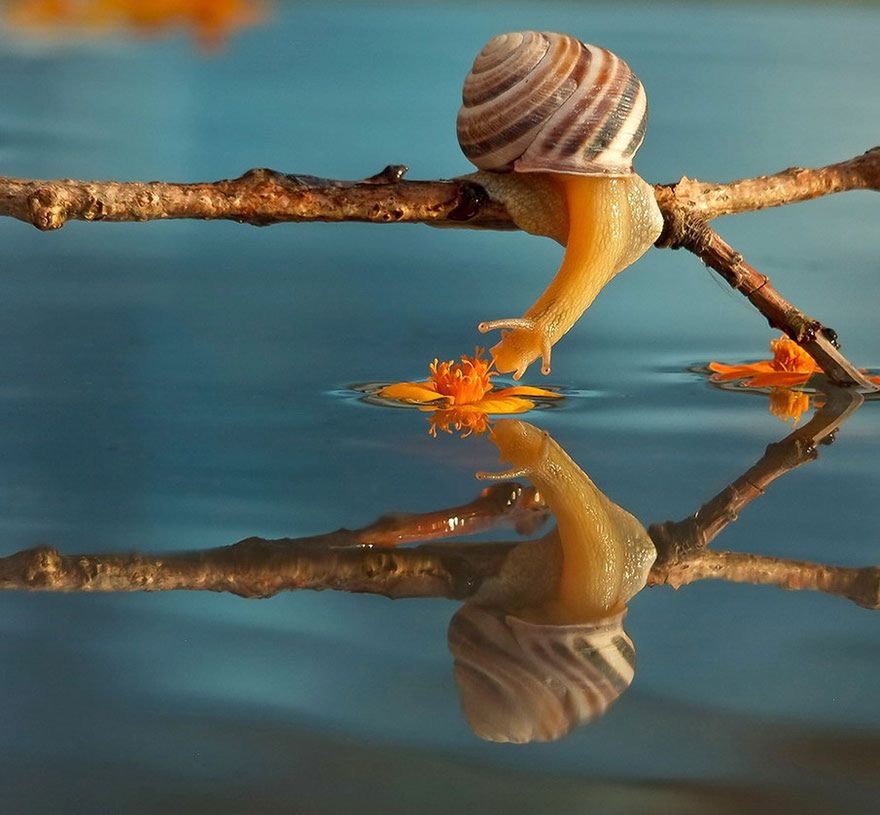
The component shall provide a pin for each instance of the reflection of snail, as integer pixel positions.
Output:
(606, 552)
(566, 118)
(541, 648)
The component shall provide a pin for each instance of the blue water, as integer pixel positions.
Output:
(175, 386)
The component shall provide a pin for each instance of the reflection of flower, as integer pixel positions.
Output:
(460, 395)
(791, 366)
(789, 405)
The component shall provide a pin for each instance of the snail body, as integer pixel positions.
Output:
(545, 108)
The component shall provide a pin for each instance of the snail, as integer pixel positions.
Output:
(553, 124)
(540, 648)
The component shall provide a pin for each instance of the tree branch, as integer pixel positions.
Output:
(259, 197)
(710, 200)
(263, 197)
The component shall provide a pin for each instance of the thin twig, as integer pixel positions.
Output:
(818, 340)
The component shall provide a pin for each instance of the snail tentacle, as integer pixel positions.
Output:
(506, 322)
(514, 472)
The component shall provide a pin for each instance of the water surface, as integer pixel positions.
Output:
(174, 386)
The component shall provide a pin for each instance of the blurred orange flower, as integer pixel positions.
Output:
(460, 395)
(212, 21)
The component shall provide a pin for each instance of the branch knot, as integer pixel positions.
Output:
(46, 209)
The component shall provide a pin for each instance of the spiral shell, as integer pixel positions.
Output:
(521, 682)
(545, 102)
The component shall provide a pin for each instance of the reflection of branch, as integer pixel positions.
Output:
(683, 556)
(506, 502)
(264, 197)
(678, 539)
(862, 586)
(349, 560)
(261, 568)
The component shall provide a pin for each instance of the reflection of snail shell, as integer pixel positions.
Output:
(544, 102)
(521, 682)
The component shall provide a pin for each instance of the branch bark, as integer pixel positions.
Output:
(263, 197)
(259, 197)
(710, 200)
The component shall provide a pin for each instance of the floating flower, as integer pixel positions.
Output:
(460, 395)
(790, 366)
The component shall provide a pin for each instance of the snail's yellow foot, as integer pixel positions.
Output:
(524, 341)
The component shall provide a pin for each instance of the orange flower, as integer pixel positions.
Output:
(212, 21)
(460, 395)
(790, 366)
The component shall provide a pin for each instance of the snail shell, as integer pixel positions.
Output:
(545, 102)
(521, 682)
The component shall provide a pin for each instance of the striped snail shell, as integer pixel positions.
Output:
(521, 682)
(545, 102)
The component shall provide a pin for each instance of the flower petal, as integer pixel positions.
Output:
(724, 372)
(509, 404)
(525, 390)
(413, 392)
(779, 379)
